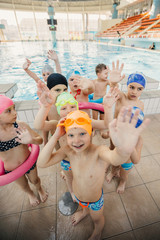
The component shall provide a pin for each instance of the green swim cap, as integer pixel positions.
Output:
(63, 99)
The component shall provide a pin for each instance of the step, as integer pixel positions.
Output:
(8, 89)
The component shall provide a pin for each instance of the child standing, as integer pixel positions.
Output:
(89, 161)
(135, 86)
(66, 103)
(14, 137)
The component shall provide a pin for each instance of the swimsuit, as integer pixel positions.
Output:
(65, 165)
(127, 166)
(7, 145)
(95, 206)
(34, 165)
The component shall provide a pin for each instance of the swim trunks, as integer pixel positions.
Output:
(65, 165)
(95, 206)
(127, 166)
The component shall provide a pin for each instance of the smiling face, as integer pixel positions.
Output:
(67, 108)
(78, 139)
(9, 115)
(134, 90)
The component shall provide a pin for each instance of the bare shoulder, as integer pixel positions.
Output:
(141, 105)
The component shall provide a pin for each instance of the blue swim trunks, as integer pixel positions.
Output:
(65, 165)
(127, 166)
(95, 206)
(34, 165)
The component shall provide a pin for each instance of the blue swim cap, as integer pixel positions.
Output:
(138, 78)
(140, 117)
(72, 72)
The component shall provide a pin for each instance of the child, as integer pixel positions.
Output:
(136, 84)
(66, 103)
(100, 85)
(89, 161)
(14, 137)
(80, 88)
(47, 69)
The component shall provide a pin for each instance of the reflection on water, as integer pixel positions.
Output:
(72, 55)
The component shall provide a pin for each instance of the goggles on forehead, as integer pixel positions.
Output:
(77, 123)
(63, 102)
(80, 121)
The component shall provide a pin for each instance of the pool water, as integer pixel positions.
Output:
(83, 56)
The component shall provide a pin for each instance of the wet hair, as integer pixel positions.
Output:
(56, 79)
(47, 68)
(100, 67)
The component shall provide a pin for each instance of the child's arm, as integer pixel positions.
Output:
(115, 74)
(136, 154)
(86, 85)
(26, 135)
(46, 101)
(47, 157)
(108, 100)
(30, 73)
(53, 55)
(124, 136)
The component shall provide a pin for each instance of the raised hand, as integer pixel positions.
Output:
(45, 97)
(60, 130)
(123, 132)
(23, 135)
(111, 97)
(52, 55)
(115, 74)
(26, 64)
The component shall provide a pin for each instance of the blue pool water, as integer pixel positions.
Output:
(72, 55)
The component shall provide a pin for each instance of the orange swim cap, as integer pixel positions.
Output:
(77, 119)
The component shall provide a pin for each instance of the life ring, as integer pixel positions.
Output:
(90, 99)
(90, 105)
(21, 170)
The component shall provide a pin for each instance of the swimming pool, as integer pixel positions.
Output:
(82, 55)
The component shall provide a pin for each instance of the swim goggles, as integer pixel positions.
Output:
(77, 123)
(63, 102)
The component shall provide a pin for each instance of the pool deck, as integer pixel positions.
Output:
(134, 215)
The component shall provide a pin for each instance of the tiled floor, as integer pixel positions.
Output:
(134, 215)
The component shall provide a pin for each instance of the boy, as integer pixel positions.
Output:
(46, 70)
(89, 161)
(100, 85)
(66, 103)
(136, 84)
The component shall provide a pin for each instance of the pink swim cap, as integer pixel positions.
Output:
(5, 103)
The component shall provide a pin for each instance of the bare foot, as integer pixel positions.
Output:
(33, 200)
(73, 197)
(78, 216)
(121, 187)
(109, 177)
(63, 176)
(43, 195)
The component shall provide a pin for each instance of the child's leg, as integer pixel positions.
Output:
(123, 178)
(34, 179)
(23, 183)
(113, 173)
(78, 216)
(98, 220)
(95, 115)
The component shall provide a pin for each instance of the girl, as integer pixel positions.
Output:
(14, 140)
